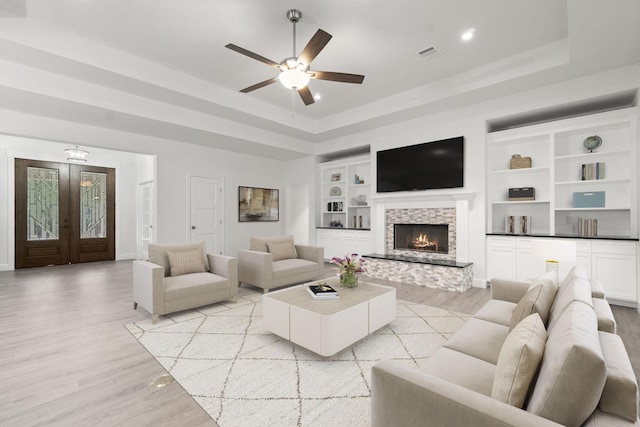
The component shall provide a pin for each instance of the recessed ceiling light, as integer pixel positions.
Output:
(468, 35)
(317, 97)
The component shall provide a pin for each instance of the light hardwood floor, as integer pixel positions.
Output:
(67, 359)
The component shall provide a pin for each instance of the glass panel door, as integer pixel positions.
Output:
(93, 205)
(41, 213)
(43, 201)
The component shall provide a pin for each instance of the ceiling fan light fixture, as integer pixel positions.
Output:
(294, 79)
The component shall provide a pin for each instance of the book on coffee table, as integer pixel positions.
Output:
(322, 291)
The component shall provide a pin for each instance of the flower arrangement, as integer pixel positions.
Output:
(349, 266)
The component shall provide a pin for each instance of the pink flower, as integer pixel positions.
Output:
(353, 263)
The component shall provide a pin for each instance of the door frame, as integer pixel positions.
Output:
(72, 248)
(221, 204)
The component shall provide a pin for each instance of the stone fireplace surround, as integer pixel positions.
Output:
(442, 271)
(421, 216)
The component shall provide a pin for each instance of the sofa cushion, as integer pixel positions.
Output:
(518, 361)
(538, 299)
(260, 243)
(282, 250)
(158, 253)
(573, 372)
(496, 311)
(578, 289)
(479, 338)
(620, 393)
(461, 369)
(186, 262)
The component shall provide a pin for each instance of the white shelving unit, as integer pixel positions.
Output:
(557, 154)
(344, 200)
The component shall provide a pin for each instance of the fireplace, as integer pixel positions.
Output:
(432, 238)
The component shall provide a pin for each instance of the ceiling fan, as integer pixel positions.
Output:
(294, 71)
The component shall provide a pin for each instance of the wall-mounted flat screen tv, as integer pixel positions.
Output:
(427, 166)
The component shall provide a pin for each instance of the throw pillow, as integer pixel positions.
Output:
(538, 299)
(185, 262)
(518, 361)
(282, 250)
(525, 306)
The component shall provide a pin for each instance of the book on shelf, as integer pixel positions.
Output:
(591, 171)
(322, 291)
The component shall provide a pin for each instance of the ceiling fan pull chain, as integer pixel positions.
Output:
(294, 39)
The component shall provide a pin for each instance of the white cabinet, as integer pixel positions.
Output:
(345, 191)
(613, 262)
(501, 258)
(558, 156)
(341, 242)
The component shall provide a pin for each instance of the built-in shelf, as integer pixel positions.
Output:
(558, 157)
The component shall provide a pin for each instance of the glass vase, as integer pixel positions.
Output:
(348, 279)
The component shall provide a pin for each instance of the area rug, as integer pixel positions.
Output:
(243, 375)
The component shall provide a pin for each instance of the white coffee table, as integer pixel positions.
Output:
(326, 327)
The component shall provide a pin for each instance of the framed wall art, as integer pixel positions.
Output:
(258, 204)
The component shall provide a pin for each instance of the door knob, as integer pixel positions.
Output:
(193, 227)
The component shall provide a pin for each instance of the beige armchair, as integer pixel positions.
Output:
(183, 276)
(276, 261)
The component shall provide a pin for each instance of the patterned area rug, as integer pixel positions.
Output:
(243, 375)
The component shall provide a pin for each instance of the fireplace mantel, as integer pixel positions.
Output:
(422, 196)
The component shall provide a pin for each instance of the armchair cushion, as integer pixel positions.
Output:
(282, 250)
(186, 262)
(260, 244)
(158, 253)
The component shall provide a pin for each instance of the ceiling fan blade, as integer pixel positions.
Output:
(306, 95)
(315, 45)
(259, 85)
(338, 77)
(252, 55)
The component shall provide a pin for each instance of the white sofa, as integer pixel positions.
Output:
(583, 376)
(275, 261)
(183, 276)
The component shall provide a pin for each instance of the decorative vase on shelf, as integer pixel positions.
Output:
(349, 279)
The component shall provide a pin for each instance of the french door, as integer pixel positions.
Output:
(63, 213)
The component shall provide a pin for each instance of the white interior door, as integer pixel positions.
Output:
(205, 204)
(145, 209)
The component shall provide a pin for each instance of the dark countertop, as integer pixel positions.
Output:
(567, 236)
(418, 260)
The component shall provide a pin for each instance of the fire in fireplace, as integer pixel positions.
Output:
(422, 237)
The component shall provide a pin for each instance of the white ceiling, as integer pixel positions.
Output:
(172, 52)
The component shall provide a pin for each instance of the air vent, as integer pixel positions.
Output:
(429, 52)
